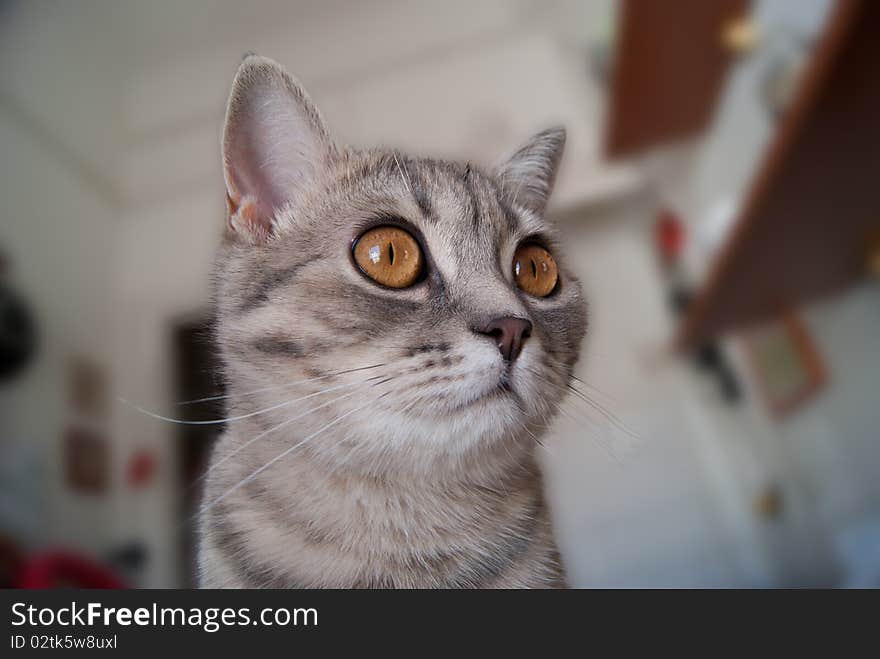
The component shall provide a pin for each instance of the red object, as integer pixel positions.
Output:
(61, 569)
(670, 235)
(141, 468)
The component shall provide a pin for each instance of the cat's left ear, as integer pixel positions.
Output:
(528, 175)
(275, 145)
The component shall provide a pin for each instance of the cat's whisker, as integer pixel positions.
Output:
(579, 415)
(528, 431)
(556, 363)
(598, 433)
(212, 398)
(263, 434)
(247, 479)
(612, 418)
(363, 447)
(208, 399)
(249, 415)
(402, 175)
(592, 387)
(524, 424)
(516, 193)
(342, 461)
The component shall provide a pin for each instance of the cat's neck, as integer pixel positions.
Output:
(310, 519)
(481, 462)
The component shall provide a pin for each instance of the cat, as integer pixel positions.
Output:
(396, 335)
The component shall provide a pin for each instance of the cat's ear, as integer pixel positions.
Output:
(274, 146)
(527, 176)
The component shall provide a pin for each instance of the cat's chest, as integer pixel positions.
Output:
(364, 536)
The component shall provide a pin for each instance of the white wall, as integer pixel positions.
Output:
(671, 507)
(60, 63)
(59, 237)
(824, 456)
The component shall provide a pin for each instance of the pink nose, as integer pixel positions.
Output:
(509, 334)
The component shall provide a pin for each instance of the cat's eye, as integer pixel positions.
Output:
(390, 256)
(534, 270)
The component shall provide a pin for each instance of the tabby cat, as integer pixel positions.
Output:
(396, 334)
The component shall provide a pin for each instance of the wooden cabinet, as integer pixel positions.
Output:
(804, 227)
(813, 207)
(669, 66)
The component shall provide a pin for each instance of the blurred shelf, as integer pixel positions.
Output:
(802, 232)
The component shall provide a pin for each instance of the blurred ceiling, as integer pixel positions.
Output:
(130, 94)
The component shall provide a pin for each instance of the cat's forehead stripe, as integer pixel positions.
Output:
(480, 207)
(454, 200)
(476, 211)
(416, 185)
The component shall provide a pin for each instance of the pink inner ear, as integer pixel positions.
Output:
(269, 159)
(247, 212)
(250, 212)
(249, 182)
(273, 142)
(248, 209)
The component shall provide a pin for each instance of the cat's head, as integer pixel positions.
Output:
(428, 300)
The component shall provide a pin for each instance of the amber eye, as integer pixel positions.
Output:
(390, 256)
(534, 270)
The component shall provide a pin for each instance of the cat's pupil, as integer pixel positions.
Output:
(391, 253)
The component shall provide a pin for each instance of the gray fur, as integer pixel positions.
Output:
(429, 479)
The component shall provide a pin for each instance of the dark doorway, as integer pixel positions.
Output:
(198, 377)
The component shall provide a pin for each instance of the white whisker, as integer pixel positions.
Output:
(280, 386)
(402, 175)
(612, 418)
(270, 430)
(249, 415)
(282, 455)
(600, 436)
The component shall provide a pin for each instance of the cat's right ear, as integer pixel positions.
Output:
(275, 144)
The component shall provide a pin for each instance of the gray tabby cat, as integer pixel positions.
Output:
(397, 333)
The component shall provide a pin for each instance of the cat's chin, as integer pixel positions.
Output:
(500, 394)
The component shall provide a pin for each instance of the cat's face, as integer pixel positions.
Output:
(428, 301)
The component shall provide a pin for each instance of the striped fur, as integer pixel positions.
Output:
(417, 470)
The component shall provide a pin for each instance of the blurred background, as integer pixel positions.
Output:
(718, 198)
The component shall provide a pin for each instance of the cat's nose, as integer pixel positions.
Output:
(509, 334)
